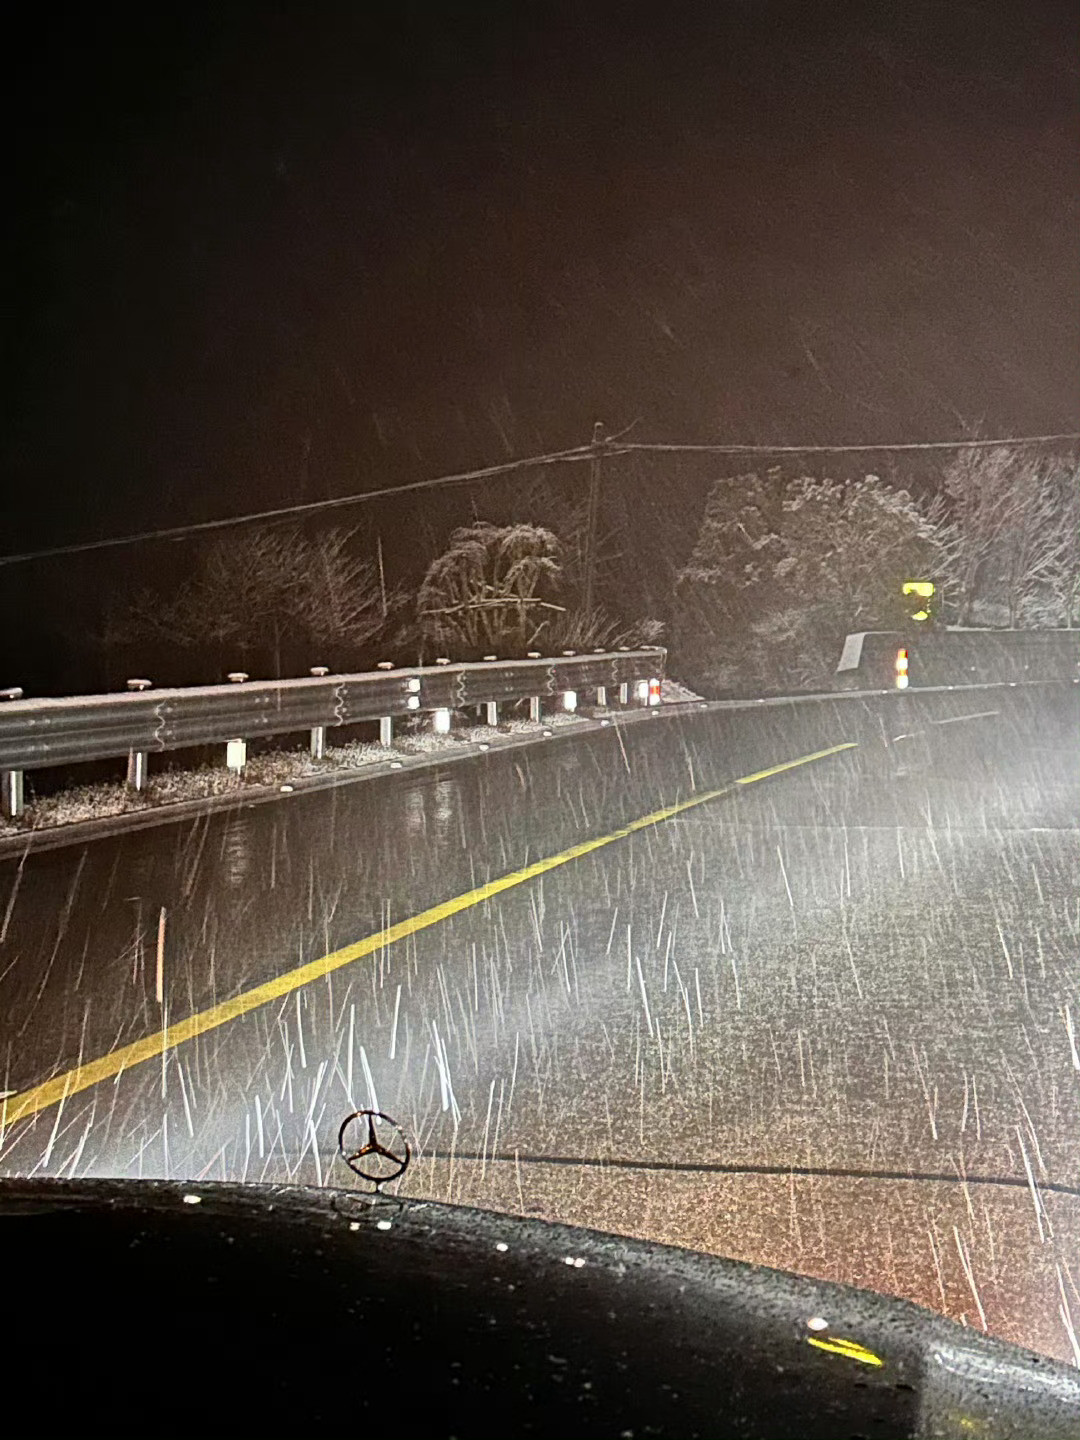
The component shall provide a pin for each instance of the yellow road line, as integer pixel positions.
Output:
(790, 764)
(61, 1087)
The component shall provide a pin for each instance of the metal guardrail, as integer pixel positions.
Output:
(957, 656)
(37, 734)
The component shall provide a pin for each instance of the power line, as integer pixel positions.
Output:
(613, 446)
(661, 447)
(270, 517)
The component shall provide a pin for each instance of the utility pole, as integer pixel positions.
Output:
(594, 511)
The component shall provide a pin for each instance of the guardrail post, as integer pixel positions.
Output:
(236, 750)
(624, 693)
(318, 732)
(489, 710)
(135, 778)
(440, 719)
(534, 709)
(138, 760)
(12, 802)
(386, 722)
(601, 696)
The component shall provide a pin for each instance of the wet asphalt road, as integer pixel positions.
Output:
(825, 1020)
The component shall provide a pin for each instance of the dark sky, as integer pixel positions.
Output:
(257, 259)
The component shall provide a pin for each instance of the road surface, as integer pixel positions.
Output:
(800, 988)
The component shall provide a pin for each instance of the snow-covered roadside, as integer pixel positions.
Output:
(273, 769)
(283, 769)
(673, 693)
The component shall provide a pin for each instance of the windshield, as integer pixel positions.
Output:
(757, 933)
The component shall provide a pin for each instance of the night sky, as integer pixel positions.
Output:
(264, 259)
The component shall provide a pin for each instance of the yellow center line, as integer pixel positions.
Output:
(791, 764)
(61, 1087)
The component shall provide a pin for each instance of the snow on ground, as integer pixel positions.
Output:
(672, 693)
(275, 768)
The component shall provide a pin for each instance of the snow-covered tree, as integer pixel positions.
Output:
(781, 572)
(263, 593)
(493, 588)
(719, 590)
(1017, 543)
(850, 548)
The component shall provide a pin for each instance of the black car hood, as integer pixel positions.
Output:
(157, 1308)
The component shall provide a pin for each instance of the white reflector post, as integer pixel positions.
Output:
(13, 801)
(136, 769)
(901, 669)
(569, 700)
(641, 691)
(236, 754)
(440, 722)
(654, 692)
(851, 655)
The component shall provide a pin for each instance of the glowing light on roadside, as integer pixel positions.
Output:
(901, 669)
(440, 722)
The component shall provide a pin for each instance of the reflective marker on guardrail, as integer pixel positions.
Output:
(50, 733)
(236, 750)
(12, 794)
(318, 732)
(138, 761)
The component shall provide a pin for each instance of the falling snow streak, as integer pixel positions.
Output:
(841, 970)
